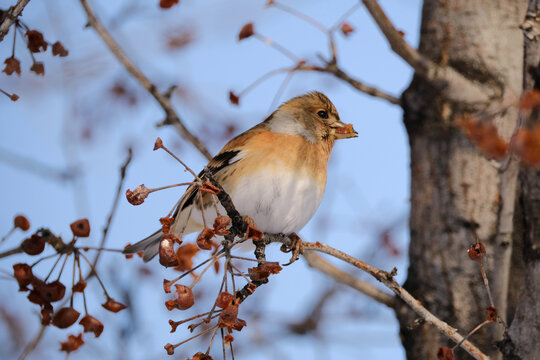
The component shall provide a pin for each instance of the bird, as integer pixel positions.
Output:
(275, 172)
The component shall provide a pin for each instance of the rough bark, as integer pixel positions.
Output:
(522, 340)
(457, 194)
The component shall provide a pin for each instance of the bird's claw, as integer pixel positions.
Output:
(296, 248)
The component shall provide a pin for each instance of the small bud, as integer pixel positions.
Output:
(246, 31)
(170, 349)
(80, 228)
(158, 144)
(346, 29)
(233, 98)
(65, 317)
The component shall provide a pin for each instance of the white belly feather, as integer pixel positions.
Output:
(278, 202)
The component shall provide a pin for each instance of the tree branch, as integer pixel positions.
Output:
(332, 68)
(10, 17)
(163, 99)
(458, 88)
(317, 262)
(388, 279)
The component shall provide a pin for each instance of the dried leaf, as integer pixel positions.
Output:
(36, 41)
(263, 271)
(253, 233)
(485, 137)
(12, 66)
(58, 49)
(526, 145)
(38, 68)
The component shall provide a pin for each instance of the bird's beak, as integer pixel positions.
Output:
(342, 131)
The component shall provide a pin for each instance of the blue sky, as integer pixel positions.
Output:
(69, 120)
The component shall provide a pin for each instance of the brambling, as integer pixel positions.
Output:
(275, 172)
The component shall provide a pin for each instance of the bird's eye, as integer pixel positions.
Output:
(323, 114)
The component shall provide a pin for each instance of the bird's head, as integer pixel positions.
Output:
(311, 115)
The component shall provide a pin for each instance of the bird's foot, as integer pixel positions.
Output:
(296, 248)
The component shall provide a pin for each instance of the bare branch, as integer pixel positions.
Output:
(388, 279)
(459, 88)
(332, 68)
(10, 17)
(164, 101)
(317, 262)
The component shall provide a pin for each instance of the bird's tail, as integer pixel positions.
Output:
(149, 246)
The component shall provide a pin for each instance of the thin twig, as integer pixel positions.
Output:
(11, 16)
(172, 117)
(388, 280)
(317, 262)
(458, 88)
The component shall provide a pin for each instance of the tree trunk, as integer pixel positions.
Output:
(457, 194)
(522, 341)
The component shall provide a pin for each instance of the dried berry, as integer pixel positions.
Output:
(33, 245)
(113, 306)
(491, 314)
(204, 240)
(185, 298)
(21, 222)
(233, 98)
(263, 271)
(221, 223)
(167, 256)
(224, 299)
(228, 316)
(167, 4)
(50, 292)
(80, 228)
(476, 252)
(65, 317)
(23, 275)
(201, 356)
(170, 349)
(137, 196)
(79, 286)
(91, 324)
